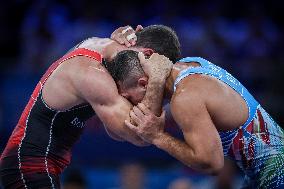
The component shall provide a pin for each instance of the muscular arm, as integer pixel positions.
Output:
(202, 148)
(158, 68)
(154, 95)
(156, 83)
(98, 88)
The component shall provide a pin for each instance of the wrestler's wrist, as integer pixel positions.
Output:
(159, 139)
(157, 80)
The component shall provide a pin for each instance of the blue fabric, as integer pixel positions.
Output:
(257, 147)
(208, 68)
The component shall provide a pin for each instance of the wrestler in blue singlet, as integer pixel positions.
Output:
(257, 146)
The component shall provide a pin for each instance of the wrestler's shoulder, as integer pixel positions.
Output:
(81, 65)
(197, 88)
(83, 61)
(197, 83)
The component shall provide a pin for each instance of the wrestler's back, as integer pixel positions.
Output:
(255, 143)
(227, 109)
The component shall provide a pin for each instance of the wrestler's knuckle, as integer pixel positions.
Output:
(155, 55)
(151, 118)
(147, 118)
(146, 121)
(139, 132)
(116, 36)
(131, 30)
(148, 126)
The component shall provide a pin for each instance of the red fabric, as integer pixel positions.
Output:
(19, 131)
(263, 129)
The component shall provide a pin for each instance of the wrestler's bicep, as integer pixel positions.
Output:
(95, 85)
(190, 113)
(113, 114)
(99, 89)
(101, 92)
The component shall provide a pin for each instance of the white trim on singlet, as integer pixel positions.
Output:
(50, 133)
(54, 110)
(41, 97)
(20, 145)
(76, 108)
(50, 139)
(47, 149)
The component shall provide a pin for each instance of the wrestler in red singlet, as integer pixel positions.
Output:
(40, 145)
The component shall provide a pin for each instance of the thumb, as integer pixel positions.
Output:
(138, 28)
(141, 57)
(163, 115)
(131, 126)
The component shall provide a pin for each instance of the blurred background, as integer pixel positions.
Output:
(244, 37)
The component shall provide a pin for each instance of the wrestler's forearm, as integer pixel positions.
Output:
(114, 118)
(184, 153)
(154, 95)
(122, 114)
(113, 135)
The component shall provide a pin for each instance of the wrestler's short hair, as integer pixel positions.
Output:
(162, 39)
(126, 68)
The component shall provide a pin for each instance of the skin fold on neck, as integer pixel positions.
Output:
(177, 68)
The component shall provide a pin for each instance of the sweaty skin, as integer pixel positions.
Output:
(201, 106)
(74, 88)
(84, 80)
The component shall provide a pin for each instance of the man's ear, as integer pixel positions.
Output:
(147, 52)
(119, 87)
(125, 95)
(143, 82)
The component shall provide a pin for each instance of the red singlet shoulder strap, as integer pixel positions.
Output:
(76, 52)
(83, 52)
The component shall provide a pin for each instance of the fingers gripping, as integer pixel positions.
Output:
(134, 117)
(125, 35)
(138, 112)
(144, 109)
(131, 126)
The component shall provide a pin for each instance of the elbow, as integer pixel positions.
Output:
(215, 169)
(209, 164)
(141, 144)
(137, 141)
(115, 137)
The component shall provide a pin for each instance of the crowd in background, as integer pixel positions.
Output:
(244, 37)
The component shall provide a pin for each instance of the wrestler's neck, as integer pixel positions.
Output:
(177, 68)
